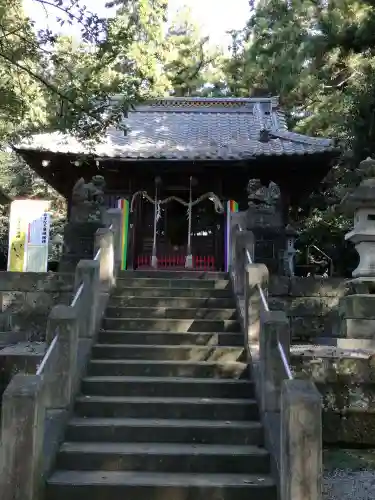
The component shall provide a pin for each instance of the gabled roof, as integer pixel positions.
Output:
(194, 129)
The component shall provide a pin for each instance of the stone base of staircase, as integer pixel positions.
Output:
(166, 409)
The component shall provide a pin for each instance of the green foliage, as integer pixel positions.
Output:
(319, 57)
(191, 65)
(22, 104)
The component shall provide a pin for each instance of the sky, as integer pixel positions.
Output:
(214, 16)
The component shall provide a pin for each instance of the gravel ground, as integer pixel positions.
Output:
(349, 475)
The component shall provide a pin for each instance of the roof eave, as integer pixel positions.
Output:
(329, 151)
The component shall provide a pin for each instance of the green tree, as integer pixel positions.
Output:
(22, 100)
(49, 81)
(144, 23)
(318, 57)
(192, 65)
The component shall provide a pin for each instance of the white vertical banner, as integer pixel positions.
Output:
(29, 235)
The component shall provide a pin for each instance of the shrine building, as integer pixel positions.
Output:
(178, 151)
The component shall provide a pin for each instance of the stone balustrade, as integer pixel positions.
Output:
(291, 408)
(35, 407)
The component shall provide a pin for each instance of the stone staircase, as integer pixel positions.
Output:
(166, 409)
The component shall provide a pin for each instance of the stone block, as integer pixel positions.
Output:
(329, 366)
(274, 329)
(104, 243)
(244, 240)
(278, 303)
(256, 274)
(9, 338)
(27, 312)
(279, 285)
(44, 301)
(63, 322)
(34, 282)
(318, 287)
(307, 328)
(54, 429)
(354, 428)
(21, 459)
(78, 243)
(13, 301)
(301, 441)
(358, 328)
(361, 306)
(87, 273)
(343, 396)
(113, 217)
(365, 286)
(311, 306)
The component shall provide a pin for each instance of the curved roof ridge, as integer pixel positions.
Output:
(170, 99)
(301, 138)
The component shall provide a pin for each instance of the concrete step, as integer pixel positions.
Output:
(192, 408)
(136, 368)
(171, 338)
(170, 275)
(171, 313)
(176, 302)
(159, 273)
(161, 457)
(116, 485)
(167, 387)
(164, 431)
(167, 352)
(173, 283)
(183, 292)
(171, 325)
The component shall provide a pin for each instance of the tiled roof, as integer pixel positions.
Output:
(193, 129)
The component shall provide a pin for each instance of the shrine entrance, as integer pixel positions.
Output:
(178, 230)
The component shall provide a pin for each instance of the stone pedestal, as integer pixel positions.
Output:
(78, 244)
(357, 313)
(301, 441)
(269, 233)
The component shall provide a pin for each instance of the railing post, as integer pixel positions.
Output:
(114, 218)
(274, 328)
(256, 274)
(243, 240)
(22, 438)
(104, 242)
(63, 322)
(301, 441)
(87, 272)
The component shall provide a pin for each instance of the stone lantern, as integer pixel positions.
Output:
(361, 202)
(357, 308)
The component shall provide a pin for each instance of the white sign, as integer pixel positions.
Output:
(29, 235)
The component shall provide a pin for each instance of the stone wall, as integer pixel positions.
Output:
(345, 377)
(26, 300)
(311, 305)
(346, 380)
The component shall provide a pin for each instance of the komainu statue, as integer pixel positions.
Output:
(88, 200)
(262, 196)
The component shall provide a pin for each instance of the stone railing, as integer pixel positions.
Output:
(36, 407)
(291, 409)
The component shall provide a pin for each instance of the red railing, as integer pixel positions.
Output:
(206, 263)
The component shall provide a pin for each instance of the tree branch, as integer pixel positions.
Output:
(66, 10)
(47, 84)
